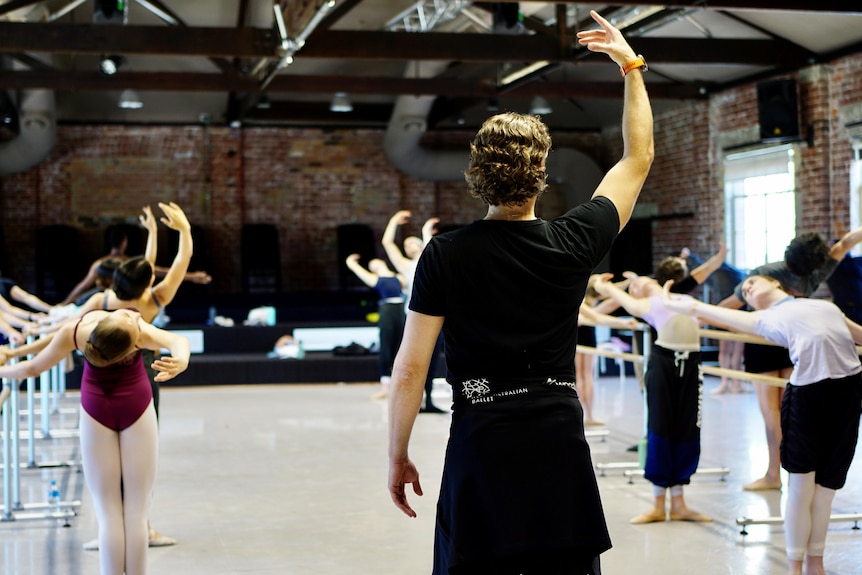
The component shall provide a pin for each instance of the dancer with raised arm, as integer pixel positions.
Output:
(119, 435)
(505, 290)
(821, 407)
(674, 390)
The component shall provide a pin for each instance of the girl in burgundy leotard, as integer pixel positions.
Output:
(119, 439)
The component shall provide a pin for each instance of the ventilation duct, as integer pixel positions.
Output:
(404, 133)
(36, 136)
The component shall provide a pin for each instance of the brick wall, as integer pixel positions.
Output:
(687, 173)
(306, 182)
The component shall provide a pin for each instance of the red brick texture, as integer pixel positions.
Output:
(308, 181)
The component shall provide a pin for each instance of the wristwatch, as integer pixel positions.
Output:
(638, 62)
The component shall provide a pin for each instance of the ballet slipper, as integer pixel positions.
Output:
(651, 516)
(593, 422)
(689, 515)
(763, 484)
(719, 390)
(156, 539)
(382, 394)
(91, 545)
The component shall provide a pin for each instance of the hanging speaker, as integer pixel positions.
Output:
(778, 110)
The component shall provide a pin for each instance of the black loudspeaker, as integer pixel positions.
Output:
(778, 110)
(261, 259)
(354, 239)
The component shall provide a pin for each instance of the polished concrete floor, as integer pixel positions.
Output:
(274, 480)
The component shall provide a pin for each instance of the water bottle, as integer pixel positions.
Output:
(54, 495)
(300, 351)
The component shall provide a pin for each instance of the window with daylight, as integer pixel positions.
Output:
(760, 205)
(856, 190)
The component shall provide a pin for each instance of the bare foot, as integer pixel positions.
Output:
(814, 565)
(686, 514)
(593, 422)
(719, 390)
(382, 394)
(763, 484)
(652, 516)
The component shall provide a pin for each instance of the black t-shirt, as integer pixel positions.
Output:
(510, 291)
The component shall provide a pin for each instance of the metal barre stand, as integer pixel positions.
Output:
(52, 385)
(746, 521)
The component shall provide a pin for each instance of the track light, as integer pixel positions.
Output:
(10, 125)
(129, 100)
(109, 65)
(340, 103)
(540, 105)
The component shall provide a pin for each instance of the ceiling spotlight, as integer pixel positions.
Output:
(540, 105)
(109, 65)
(493, 105)
(340, 103)
(129, 100)
(263, 103)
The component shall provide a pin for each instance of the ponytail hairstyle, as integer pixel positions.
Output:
(108, 343)
(132, 277)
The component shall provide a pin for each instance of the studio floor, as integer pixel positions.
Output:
(291, 479)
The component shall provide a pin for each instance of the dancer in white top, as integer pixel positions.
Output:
(821, 407)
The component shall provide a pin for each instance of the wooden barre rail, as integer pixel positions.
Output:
(632, 357)
(744, 375)
(733, 336)
(743, 337)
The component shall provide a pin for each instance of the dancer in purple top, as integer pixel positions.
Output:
(119, 438)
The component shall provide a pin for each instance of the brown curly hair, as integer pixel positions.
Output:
(507, 159)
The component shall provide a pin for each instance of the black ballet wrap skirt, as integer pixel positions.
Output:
(518, 478)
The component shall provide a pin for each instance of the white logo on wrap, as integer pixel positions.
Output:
(473, 388)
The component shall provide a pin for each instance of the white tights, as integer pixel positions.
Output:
(109, 457)
(806, 516)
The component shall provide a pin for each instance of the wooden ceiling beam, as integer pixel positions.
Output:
(839, 6)
(361, 45)
(303, 84)
(156, 40)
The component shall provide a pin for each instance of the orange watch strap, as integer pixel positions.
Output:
(638, 62)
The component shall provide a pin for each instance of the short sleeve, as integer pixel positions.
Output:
(428, 295)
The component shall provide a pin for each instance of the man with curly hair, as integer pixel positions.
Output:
(518, 493)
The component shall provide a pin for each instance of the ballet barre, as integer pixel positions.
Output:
(624, 355)
(744, 337)
(743, 375)
(13, 508)
(836, 518)
(603, 433)
(602, 468)
(722, 472)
